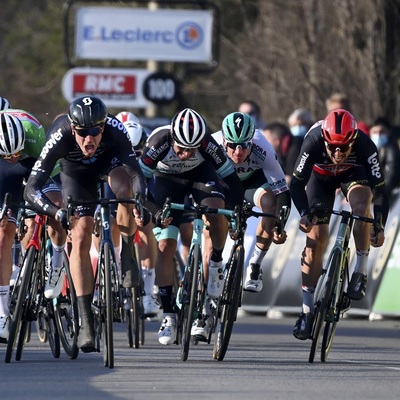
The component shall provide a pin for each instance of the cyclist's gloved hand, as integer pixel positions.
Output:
(62, 217)
(377, 237)
(158, 218)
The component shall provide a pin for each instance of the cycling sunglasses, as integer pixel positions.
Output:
(12, 156)
(93, 131)
(243, 145)
(183, 149)
(342, 148)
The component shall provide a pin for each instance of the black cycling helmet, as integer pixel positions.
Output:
(87, 112)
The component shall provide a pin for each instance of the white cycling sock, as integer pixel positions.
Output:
(308, 298)
(258, 255)
(4, 294)
(148, 279)
(362, 261)
(58, 256)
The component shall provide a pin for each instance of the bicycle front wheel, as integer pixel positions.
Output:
(331, 323)
(107, 323)
(66, 314)
(18, 301)
(231, 296)
(190, 283)
(323, 295)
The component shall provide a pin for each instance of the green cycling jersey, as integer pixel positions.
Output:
(35, 135)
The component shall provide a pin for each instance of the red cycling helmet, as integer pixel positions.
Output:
(339, 127)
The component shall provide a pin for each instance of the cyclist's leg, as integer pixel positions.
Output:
(323, 194)
(80, 182)
(148, 255)
(359, 195)
(160, 188)
(125, 183)
(258, 193)
(58, 236)
(11, 177)
(208, 190)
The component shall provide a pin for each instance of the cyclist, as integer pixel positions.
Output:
(148, 247)
(336, 155)
(264, 182)
(89, 143)
(21, 139)
(182, 158)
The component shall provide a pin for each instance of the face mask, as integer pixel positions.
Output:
(298, 130)
(380, 140)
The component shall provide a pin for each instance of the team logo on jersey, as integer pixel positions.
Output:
(302, 162)
(375, 168)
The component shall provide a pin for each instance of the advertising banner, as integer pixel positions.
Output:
(116, 87)
(142, 34)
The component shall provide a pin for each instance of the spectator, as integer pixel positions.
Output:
(252, 108)
(389, 153)
(279, 136)
(337, 100)
(341, 100)
(300, 121)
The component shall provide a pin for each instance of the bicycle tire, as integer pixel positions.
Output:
(128, 316)
(53, 334)
(322, 298)
(66, 315)
(23, 337)
(139, 317)
(231, 300)
(330, 326)
(188, 308)
(41, 329)
(133, 319)
(108, 340)
(19, 297)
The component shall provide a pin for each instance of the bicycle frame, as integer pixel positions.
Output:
(28, 295)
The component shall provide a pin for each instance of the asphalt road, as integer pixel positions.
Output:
(264, 361)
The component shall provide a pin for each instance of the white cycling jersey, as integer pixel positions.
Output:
(262, 156)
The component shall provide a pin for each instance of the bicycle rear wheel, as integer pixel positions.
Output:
(18, 301)
(323, 295)
(66, 314)
(330, 325)
(231, 296)
(190, 283)
(134, 318)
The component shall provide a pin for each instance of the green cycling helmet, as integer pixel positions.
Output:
(238, 127)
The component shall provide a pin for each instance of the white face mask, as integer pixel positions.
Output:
(298, 130)
(380, 139)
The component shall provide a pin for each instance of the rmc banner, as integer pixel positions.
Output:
(142, 34)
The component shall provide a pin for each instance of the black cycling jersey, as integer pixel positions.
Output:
(159, 157)
(361, 166)
(114, 149)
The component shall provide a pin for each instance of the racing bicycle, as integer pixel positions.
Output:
(109, 295)
(330, 298)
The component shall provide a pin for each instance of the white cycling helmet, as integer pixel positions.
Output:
(12, 135)
(188, 128)
(132, 125)
(4, 104)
